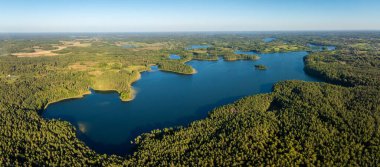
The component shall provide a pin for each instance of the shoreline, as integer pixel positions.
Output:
(194, 71)
(180, 73)
(88, 92)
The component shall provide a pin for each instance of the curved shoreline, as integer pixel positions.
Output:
(180, 73)
(88, 92)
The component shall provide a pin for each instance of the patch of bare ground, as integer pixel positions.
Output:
(40, 52)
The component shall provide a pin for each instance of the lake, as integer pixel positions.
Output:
(247, 52)
(164, 99)
(316, 47)
(270, 39)
(192, 47)
(174, 57)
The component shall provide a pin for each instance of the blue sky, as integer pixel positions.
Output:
(187, 15)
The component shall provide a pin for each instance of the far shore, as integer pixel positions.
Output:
(176, 72)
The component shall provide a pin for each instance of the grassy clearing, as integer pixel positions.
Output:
(38, 52)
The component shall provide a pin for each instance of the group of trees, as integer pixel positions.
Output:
(233, 57)
(300, 123)
(8, 47)
(346, 68)
(33, 93)
(260, 67)
(119, 81)
(205, 56)
(175, 66)
(29, 140)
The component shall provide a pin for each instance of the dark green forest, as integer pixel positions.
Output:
(331, 123)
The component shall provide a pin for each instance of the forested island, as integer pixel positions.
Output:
(260, 67)
(333, 123)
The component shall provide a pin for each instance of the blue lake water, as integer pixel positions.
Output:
(164, 99)
(174, 57)
(198, 47)
(269, 39)
(247, 52)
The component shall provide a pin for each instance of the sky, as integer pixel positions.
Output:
(187, 15)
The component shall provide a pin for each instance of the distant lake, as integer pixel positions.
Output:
(198, 47)
(316, 47)
(269, 39)
(165, 99)
(174, 57)
(247, 52)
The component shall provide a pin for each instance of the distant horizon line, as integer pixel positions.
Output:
(68, 32)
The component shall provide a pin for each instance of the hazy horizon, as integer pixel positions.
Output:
(43, 16)
(232, 31)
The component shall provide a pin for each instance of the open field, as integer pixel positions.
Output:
(37, 52)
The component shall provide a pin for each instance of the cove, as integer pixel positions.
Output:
(107, 125)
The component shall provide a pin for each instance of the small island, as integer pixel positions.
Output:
(260, 67)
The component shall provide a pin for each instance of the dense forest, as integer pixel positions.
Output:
(346, 68)
(299, 123)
